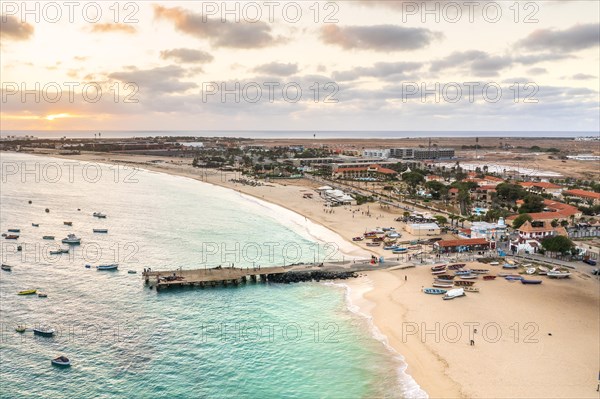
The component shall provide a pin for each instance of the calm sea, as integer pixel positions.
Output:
(127, 341)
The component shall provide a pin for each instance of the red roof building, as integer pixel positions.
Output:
(469, 244)
(583, 195)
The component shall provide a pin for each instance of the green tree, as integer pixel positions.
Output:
(521, 219)
(441, 220)
(558, 244)
(532, 203)
(413, 179)
(554, 223)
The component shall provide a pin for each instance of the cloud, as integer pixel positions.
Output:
(537, 71)
(187, 55)
(157, 80)
(379, 70)
(583, 76)
(277, 68)
(578, 37)
(378, 37)
(482, 63)
(12, 29)
(113, 28)
(220, 34)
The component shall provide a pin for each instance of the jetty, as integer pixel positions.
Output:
(226, 276)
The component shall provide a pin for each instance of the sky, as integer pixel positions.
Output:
(305, 65)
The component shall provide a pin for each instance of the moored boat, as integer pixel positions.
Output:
(113, 266)
(456, 266)
(99, 215)
(494, 263)
(35, 224)
(27, 292)
(12, 237)
(489, 277)
(14, 230)
(471, 289)
(61, 361)
(42, 295)
(434, 291)
(6, 267)
(438, 272)
(20, 328)
(48, 238)
(43, 331)
(71, 239)
(100, 230)
(68, 223)
(131, 271)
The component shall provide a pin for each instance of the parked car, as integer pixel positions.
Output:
(591, 262)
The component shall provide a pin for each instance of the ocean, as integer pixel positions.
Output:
(294, 134)
(127, 341)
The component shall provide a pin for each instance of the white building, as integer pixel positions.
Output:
(489, 231)
(377, 153)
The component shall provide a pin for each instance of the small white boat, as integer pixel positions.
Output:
(442, 285)
(542, 270)
(6, 267)
(494, 263)
(99, 215)
(59, 251)
(72, 239)
(468, 276)
(42, 295)
(530, 270)
(471, 289)
(455, 293)
(558, 274)
(100, 230)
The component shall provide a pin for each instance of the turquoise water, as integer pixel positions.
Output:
(255, 341)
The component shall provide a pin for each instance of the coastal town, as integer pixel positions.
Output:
(443, 200)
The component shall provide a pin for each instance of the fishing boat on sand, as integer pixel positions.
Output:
(524, 281)
(558, 274)
(464, 283)
(357, 239)
(399, 250)
(434, 291)
(509, 266)
(6, 267)
(489, 277)
(99, 215)
(442, 285)
(438, 267)
(494, 263)
(438, 272)
(27, 292)
(100, 230)
(543, 270)
(471, 289)
(462, 272)
(530, 270)
(48, 238)
(456, 266)
(513, 278)
(480, 271)
(455, 293)
(373, 244)
(468, 276)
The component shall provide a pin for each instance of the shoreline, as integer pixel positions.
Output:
(447, 369)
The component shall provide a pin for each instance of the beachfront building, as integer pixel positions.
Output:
(335, 197)
(489, 231)
(373, 172)
(584, 230)
(423, 229)
(582, 195)
(542, 187)
(422, 153)
(540, 229)
(463, 245)
(589, 249)
(523, 245)
(553, 210)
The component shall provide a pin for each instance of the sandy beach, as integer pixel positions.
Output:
(531, 341)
